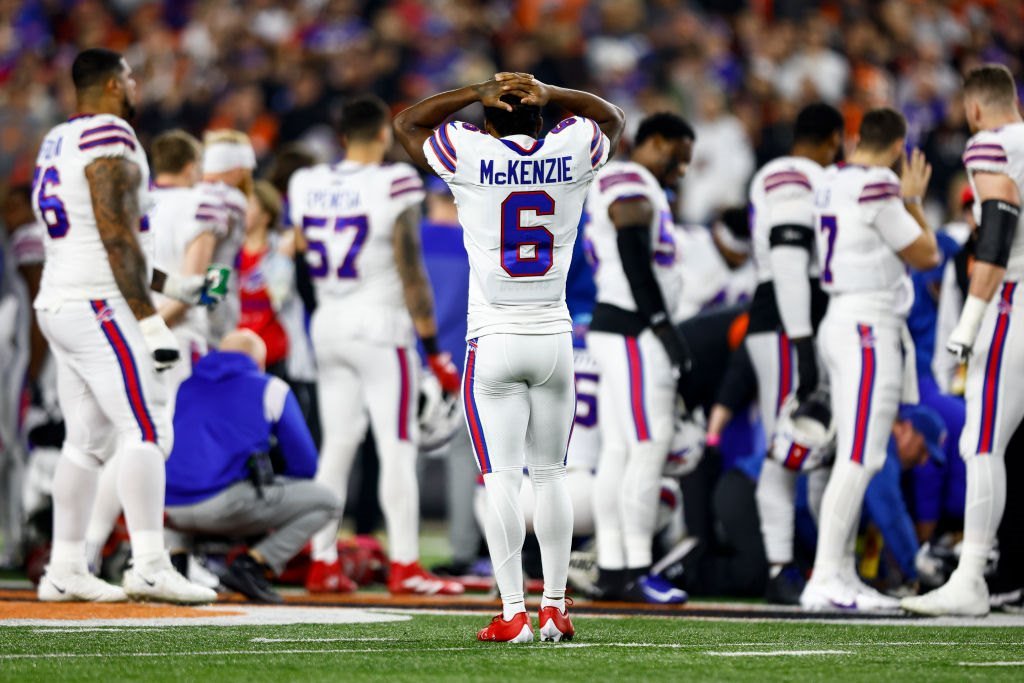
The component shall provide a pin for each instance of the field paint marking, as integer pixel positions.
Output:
(100, 629)
(779, 653)
(322, 640)
(991, 663)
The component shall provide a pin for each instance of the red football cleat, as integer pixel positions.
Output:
(328, 578)
(515, 630)
(555, 625)
(405, 579)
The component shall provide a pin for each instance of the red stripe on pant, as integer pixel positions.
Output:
(785, 371)
(993, 367)
(476, 428)
(403, 396)
(129, 370)
(636, 388)
(864, 392)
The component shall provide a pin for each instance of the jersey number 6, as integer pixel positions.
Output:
(526, 251)
(51, 208)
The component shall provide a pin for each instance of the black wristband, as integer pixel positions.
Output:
(806, 366)
(430, 345)
(675, 345)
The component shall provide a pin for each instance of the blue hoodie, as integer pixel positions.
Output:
(225, 412)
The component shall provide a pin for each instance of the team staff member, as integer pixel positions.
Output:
(219, 476)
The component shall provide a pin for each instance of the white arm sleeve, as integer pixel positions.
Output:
(951, 301)
(792, 289)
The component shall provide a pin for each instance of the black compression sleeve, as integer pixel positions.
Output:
(791, 235)
(634, 243)
(996, 232)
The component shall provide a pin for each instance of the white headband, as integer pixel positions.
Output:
(225, 156)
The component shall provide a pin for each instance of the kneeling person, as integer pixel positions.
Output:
(219, 477)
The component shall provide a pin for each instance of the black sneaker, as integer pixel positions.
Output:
(1010, 601)
(249, 577)
(785, 587)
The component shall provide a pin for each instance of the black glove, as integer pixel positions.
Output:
(675, 345)
(806, 368)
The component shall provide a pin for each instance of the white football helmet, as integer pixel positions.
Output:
(805, 436)
(439, 414)
(687, 445)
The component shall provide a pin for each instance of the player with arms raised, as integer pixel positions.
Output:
(361, 218)
(869, 225)
(520, 198)
(106, 336)
(989, 333)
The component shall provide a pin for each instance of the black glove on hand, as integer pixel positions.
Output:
(675, 345)
(806, 367)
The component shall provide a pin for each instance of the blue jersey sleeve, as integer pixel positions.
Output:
(296, 443)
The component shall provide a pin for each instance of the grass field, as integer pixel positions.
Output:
(431, 646)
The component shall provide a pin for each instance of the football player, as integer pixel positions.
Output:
(988, 334)
(107, 338)
(361, 219)
(870, 226)
(787, 308)
(520, 197)
(639, 351)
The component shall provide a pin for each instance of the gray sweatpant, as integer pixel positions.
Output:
(294, 508)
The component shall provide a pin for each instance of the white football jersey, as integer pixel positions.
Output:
(781, 193)
(585, 443)
(861, 225)
(1000, 151)
(76, 265)
(348, 213)
(234, 203)
(520, 202)
(179, 215)
(708, 282)
(629, 180)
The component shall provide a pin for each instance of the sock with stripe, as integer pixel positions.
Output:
(506, 530)
(983, 510)
(141, 484)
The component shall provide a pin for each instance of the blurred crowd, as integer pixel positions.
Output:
(739, 71)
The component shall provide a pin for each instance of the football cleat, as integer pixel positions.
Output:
(406, 579)
(556, 626)
(163, 583)
(962, 596)
(654, 589)
(515, 630)
(869, 599)
(77, 587)
(327, 577)
(250, 578)
(785, 587)
(826, 593)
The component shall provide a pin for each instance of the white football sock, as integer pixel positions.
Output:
(840, 511)
(776, 492)
(74, 487)
(141, 485)
(611, 549)
(983, 511)
(638, 503)
(552, 524)
(399, 495)
(105, 509)
(506, 531)
(336, 456)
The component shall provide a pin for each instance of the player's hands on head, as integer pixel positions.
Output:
(489, 94)
(914, 175)
(527, 88)
(160, 341)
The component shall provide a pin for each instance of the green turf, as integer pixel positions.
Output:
(442, 648)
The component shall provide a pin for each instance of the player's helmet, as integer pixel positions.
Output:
(439, 414)
(805, 437)
(687, 445)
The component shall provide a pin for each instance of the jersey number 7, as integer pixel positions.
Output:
(321, 266)
(829, 225)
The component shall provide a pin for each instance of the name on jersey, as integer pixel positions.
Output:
(331, 201)
(527, 171)
(50, 148)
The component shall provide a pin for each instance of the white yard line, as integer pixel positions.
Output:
(322, 640)
(779, 653)
(991, 663)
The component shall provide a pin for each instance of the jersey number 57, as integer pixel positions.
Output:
(318, 256)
